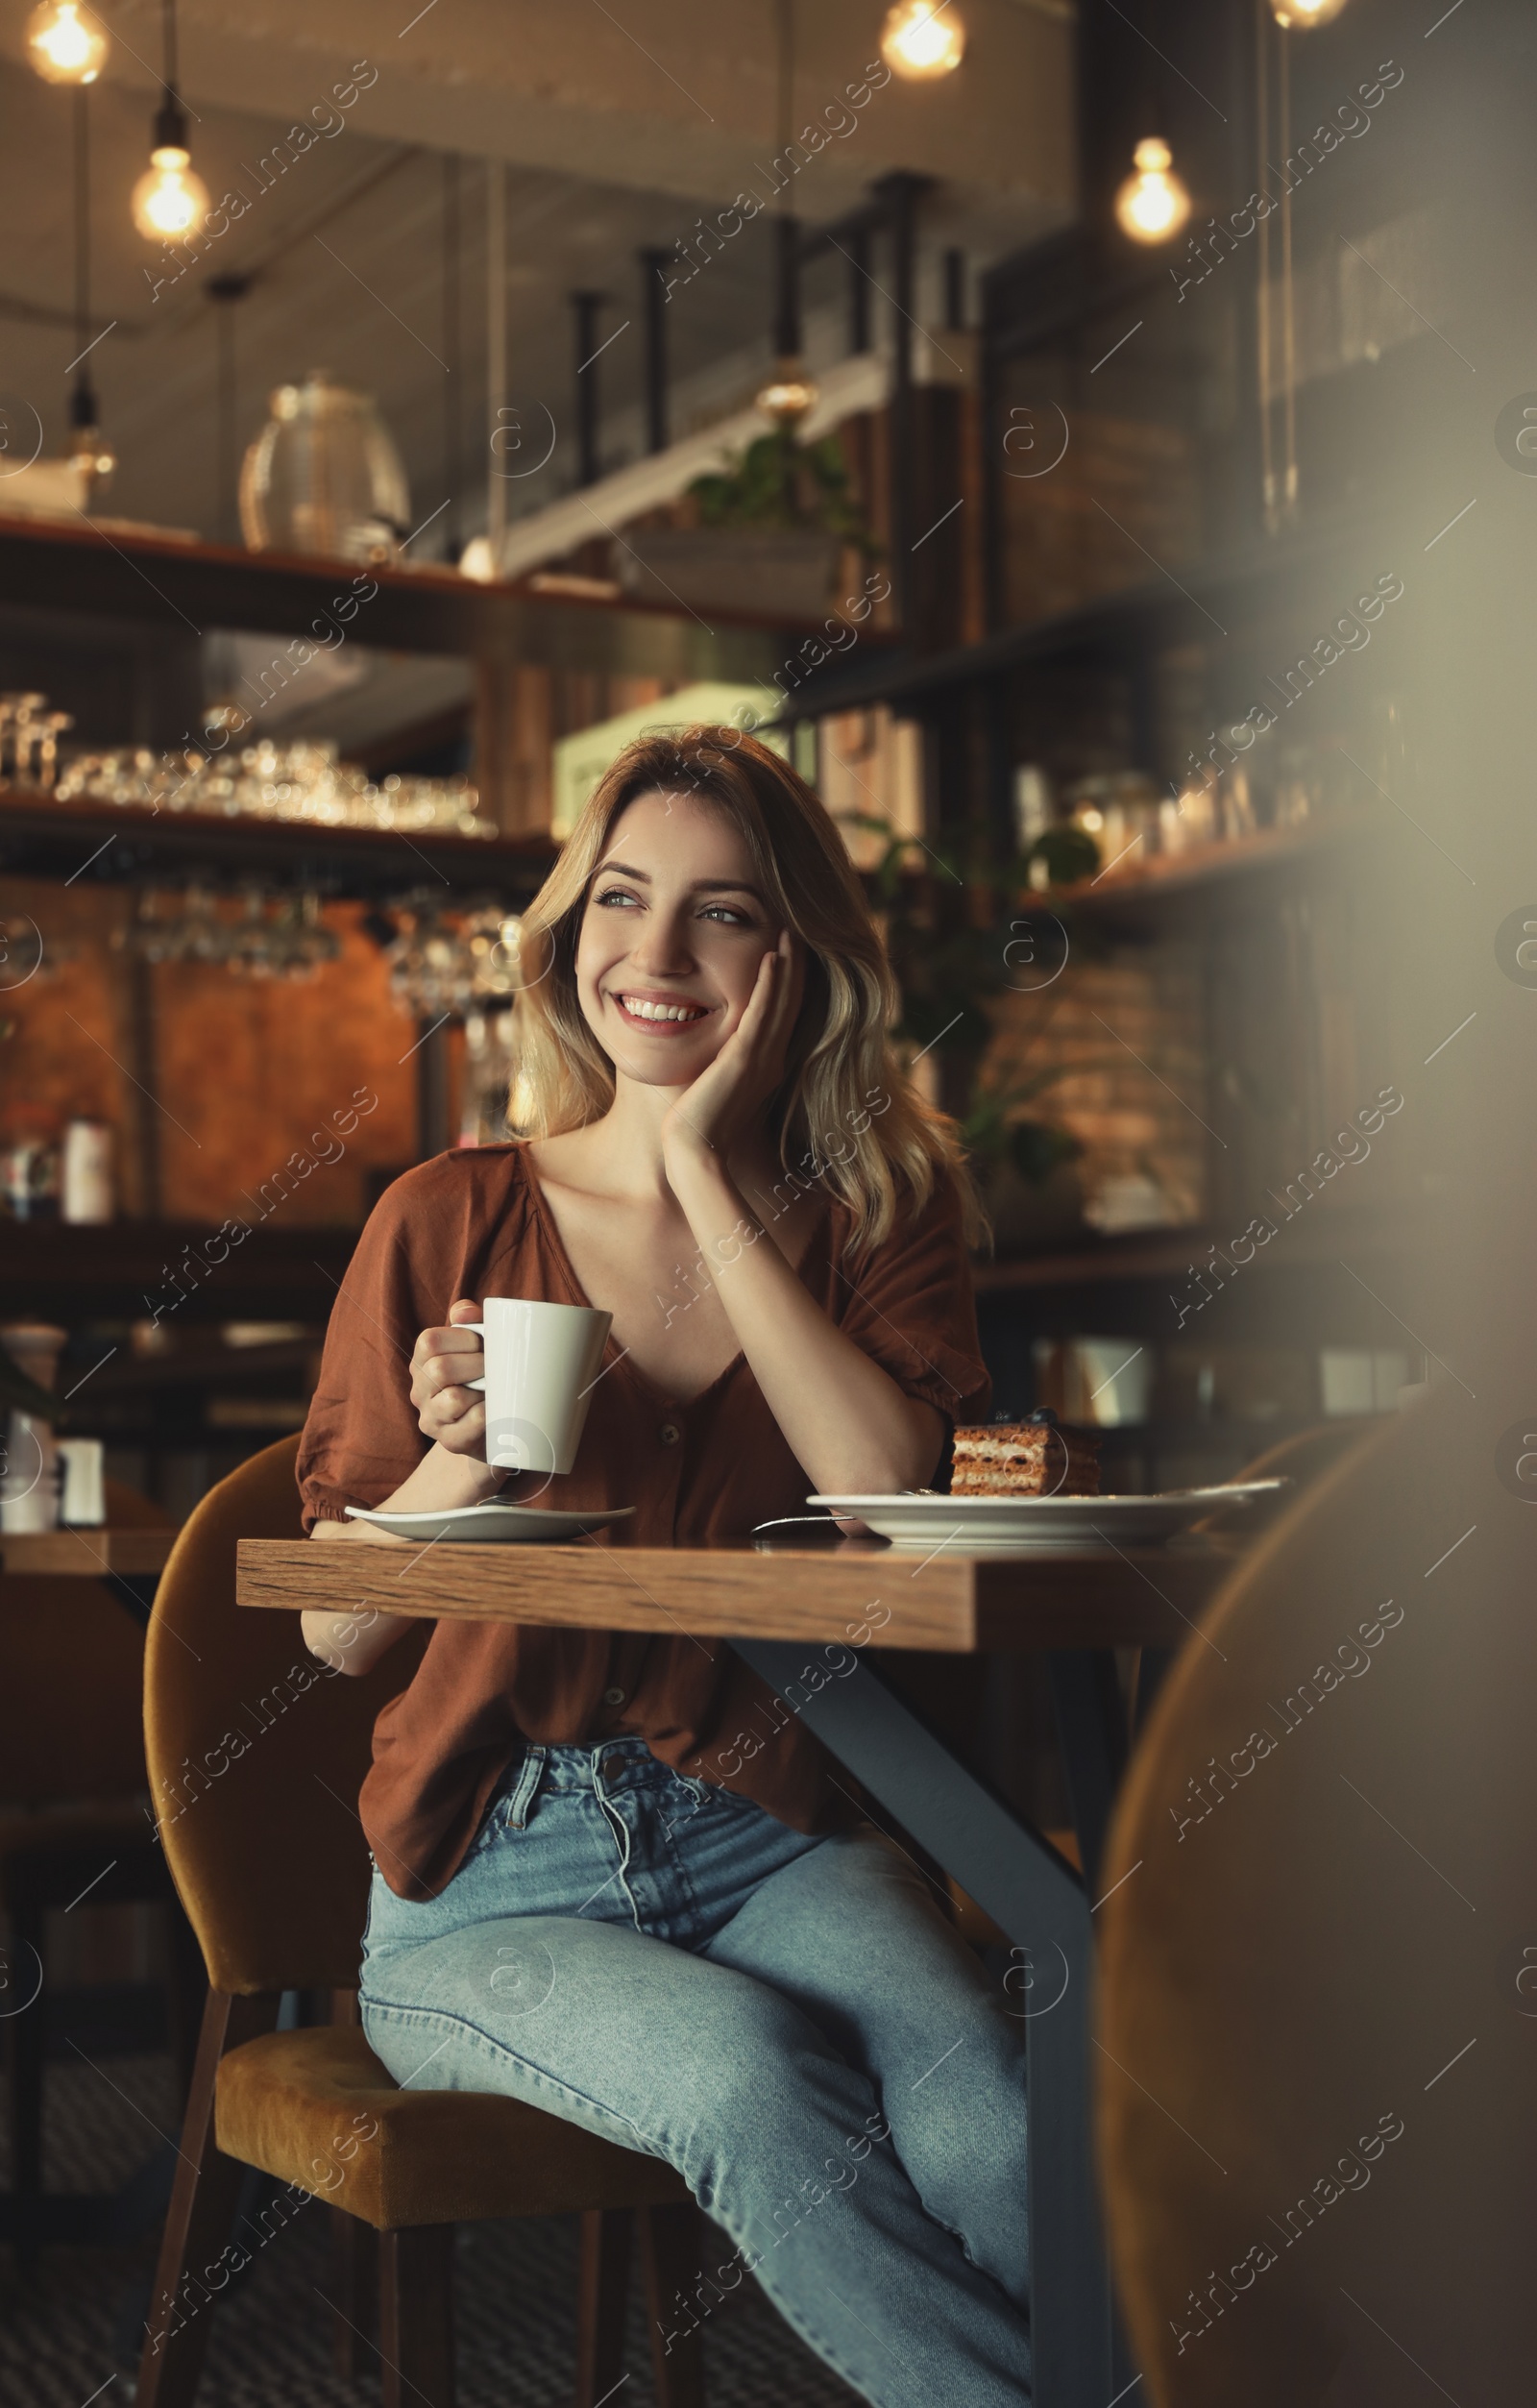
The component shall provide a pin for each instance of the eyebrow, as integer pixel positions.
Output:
(698, 885)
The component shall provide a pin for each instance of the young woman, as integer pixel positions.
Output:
(613, 1875)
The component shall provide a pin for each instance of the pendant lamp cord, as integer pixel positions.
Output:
(453, 351)
(787, 331)
(1264, 34)
(81, 218)
(785, 10)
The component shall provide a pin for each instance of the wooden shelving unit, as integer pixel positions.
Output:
(148, 599)
(1317, 1235)
(1166, 610)
(158, 579)
(1202, 874)
(122, 843)
(51, 1271)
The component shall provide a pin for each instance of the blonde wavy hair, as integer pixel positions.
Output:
(843, 1086)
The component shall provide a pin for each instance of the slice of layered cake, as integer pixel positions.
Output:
(1025, 1459)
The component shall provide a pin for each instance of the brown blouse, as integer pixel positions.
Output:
(475, 1224)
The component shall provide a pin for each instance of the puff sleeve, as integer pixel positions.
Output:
(424, 1243)
(909, 1304)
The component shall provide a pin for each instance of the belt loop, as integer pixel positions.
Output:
(527, 1782)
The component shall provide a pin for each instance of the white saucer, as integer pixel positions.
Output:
(1040, 1525)
(514, 1525)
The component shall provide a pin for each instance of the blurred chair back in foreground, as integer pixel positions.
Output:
(1305, 1897)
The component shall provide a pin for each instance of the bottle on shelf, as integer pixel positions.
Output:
(29, 1477)
(86, 1189)
(29, 1178)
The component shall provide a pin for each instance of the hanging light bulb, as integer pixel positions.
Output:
(1152, 204)
(923, 38)
(169, 201)
(789, 393)
(1298, 16)
(61, 48)
(87, 444)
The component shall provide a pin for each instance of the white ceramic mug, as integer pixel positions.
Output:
(541, 1362)
(1103, 1380)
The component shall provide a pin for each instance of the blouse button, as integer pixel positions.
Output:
(613, 1697)
(670, 1433)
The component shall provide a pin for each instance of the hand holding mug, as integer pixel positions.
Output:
(444, 1361)
(534, 1363)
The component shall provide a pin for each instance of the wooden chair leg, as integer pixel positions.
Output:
(416, 2316)
(353, 2292)
(187, 1991)
(25, 2055)
(607, 2233)
(671, 2242)
(201, 2211)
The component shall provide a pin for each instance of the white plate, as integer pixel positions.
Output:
(1040, 1525)
(515, 1524)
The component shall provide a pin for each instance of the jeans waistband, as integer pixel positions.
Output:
(597, 1766)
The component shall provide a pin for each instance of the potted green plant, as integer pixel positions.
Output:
(771, 525)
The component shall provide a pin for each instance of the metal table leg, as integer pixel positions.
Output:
(1091, 1727)
(1038, 1899)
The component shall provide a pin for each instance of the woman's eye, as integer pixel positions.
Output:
(725, 913)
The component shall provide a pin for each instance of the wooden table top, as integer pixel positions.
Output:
(858, 1592)
(86, 1553)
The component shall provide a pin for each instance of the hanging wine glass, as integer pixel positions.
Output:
(205, 938)
(250, 951)
(318, 943)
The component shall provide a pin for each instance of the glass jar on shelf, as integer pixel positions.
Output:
(1236, 805)
(1120, 809)
(1034, 809)
(324, 477)
(1295, 795)
(29, 1177)
(1189, 818)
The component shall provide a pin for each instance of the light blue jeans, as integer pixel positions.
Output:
(792, 2023)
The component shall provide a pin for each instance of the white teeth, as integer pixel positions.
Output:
(660, 1011)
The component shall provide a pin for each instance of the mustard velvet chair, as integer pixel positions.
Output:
(1288, 1952)
(73, 1832)
(1303, 1457)
(270, 1860)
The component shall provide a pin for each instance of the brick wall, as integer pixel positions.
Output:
(1092, 1022)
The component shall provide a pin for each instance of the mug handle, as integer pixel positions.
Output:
(479, 1329)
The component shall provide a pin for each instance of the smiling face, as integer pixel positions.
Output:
(674, 929)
